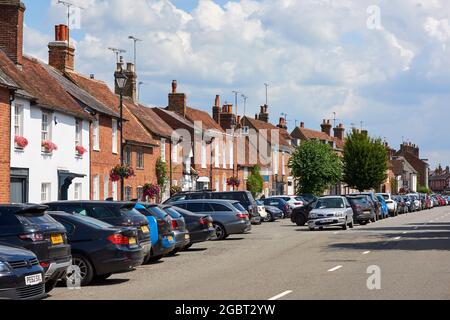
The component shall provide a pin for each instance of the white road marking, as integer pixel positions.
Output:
(335, 269)
(366, 252)
(281, 295)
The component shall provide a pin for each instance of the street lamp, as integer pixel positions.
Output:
(121, 81)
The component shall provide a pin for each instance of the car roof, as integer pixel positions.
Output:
(23, 208)
(332, 197)
(221, 201)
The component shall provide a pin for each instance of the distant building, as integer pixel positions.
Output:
(440, 180)
(405, 175)
(411, 153)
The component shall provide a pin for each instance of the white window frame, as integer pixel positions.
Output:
(106, 187)
(114, 127)
(163, 149)
(18, 120)
(283, 163)
(140, 158)
(78, 132)
(96, 187)
(46, 188)
(47, 131)
(96, 133)
(204, 161)
(224, 154)
(114, 191)
(224, 183)
(78, 191)
(216, 154)
(128, 193)
(174, 152)
(127, 155)
(231, 151)
(139, 193)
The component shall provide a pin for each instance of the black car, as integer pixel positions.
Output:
(200, 226)
(300, 215)
(120, 214)
(244, 197)
(180, 232)
(98, 248)
(363, 211)
(29, 227)
(21, 276)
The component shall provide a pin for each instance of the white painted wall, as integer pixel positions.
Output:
(44, 168)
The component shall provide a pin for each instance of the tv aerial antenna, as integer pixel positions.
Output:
(69, 6)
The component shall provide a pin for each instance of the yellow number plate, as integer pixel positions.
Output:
(170, 238)
(145, 229)
(132, 241)
(57, 239)
(210, 225)
(187, 237)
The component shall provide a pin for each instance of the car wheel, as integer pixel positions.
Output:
(300, 220)
(86, 269)
(103, 277)
(312, 228)
(147, 258)
(154, 259)
(220, 232)
(173, 252)
(268, 218)
(50, 285)
(345, 226)
(352, 224)
(188, 246)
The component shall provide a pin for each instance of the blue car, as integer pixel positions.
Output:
(384, 208)
(161, 232)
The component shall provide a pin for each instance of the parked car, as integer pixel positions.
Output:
(280, 204)
(292, 201)
(391, 203)
(21, 276)
(244, 197)
(441, 200)
(384, 207)
(29, 227)
(120, 214)
(200, 226)
(375, 203)
(331, 211)
(410, 203)
(161, 233)
(363, 211)
(436, 202)
(272, 213)
(300, 216)
(229, 217)
(402, 208)
(98, 248)
(417, 202)
(181, 233)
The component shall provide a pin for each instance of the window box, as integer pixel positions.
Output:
(20, 142)
(48, 147)
(80, 151)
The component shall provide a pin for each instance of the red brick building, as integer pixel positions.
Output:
(6, 92)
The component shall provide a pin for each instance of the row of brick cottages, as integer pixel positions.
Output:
(62, 139)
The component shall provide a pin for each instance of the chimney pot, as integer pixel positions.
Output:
(130, 67)
(217, 101)
(174, 86)
(302, 125)
(92, 76)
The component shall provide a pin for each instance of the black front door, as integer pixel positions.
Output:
(19, 185)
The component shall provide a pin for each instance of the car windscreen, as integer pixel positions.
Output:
(330, 203)
(157, 212)
(173, 213)
(91, 221)
(238, 196)
(130, 212)
(385, 196)
(238, 206)
(300, 199)
(359, 200)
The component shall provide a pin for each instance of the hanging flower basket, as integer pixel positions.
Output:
(119, 172)
(174, 190)
(21, 142)
(234, 182)
(151, 190)
(49, 146)
(80, 150)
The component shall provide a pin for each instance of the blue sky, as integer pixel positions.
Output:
(318, 57)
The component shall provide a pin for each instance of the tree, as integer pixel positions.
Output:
(255, 182)
(315, 167)
(365, 161)
(161, 175)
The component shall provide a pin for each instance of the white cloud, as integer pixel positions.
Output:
(318, 56)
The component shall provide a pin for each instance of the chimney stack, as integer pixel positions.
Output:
(326, 127)
(11, 29)
(61, 55)
(302, 124)
(339, 132)
(282, 124)
(177, 101)
(227, 117)
(130, 89)
(264, 113)
(216, 109)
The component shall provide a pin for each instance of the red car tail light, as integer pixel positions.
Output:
(204, 221)
(118, 239)
(174, 224)
(242, 216)
(45, 264)
(32, 236)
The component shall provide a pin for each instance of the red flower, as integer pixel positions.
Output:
(21, 142)
(234, 182)
(49, 146)
(80, 150)
(121, 172)
(151, 190)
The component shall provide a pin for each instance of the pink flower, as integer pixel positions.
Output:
(21, 142)
(80, 150)
(49, 146)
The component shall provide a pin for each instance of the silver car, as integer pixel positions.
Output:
(331, 211)
(229, 216)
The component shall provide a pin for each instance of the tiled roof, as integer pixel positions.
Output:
(151, 121)
(36, 82)
(208, 122)
(6, 81)
(78, 93)
(174, 120)
(445, 176)
(262, 125)
(133, 131)
(308, 134)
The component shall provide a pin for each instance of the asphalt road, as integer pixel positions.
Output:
(282, 261)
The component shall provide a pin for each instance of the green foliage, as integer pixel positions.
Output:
(365, 161)
(161, 173)
(423, 189)
(315, 167)
(255, 182)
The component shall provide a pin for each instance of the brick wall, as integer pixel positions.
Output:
(5, 125)
(11, 29)
(104, 160)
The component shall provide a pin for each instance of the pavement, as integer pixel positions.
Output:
(406, 257)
